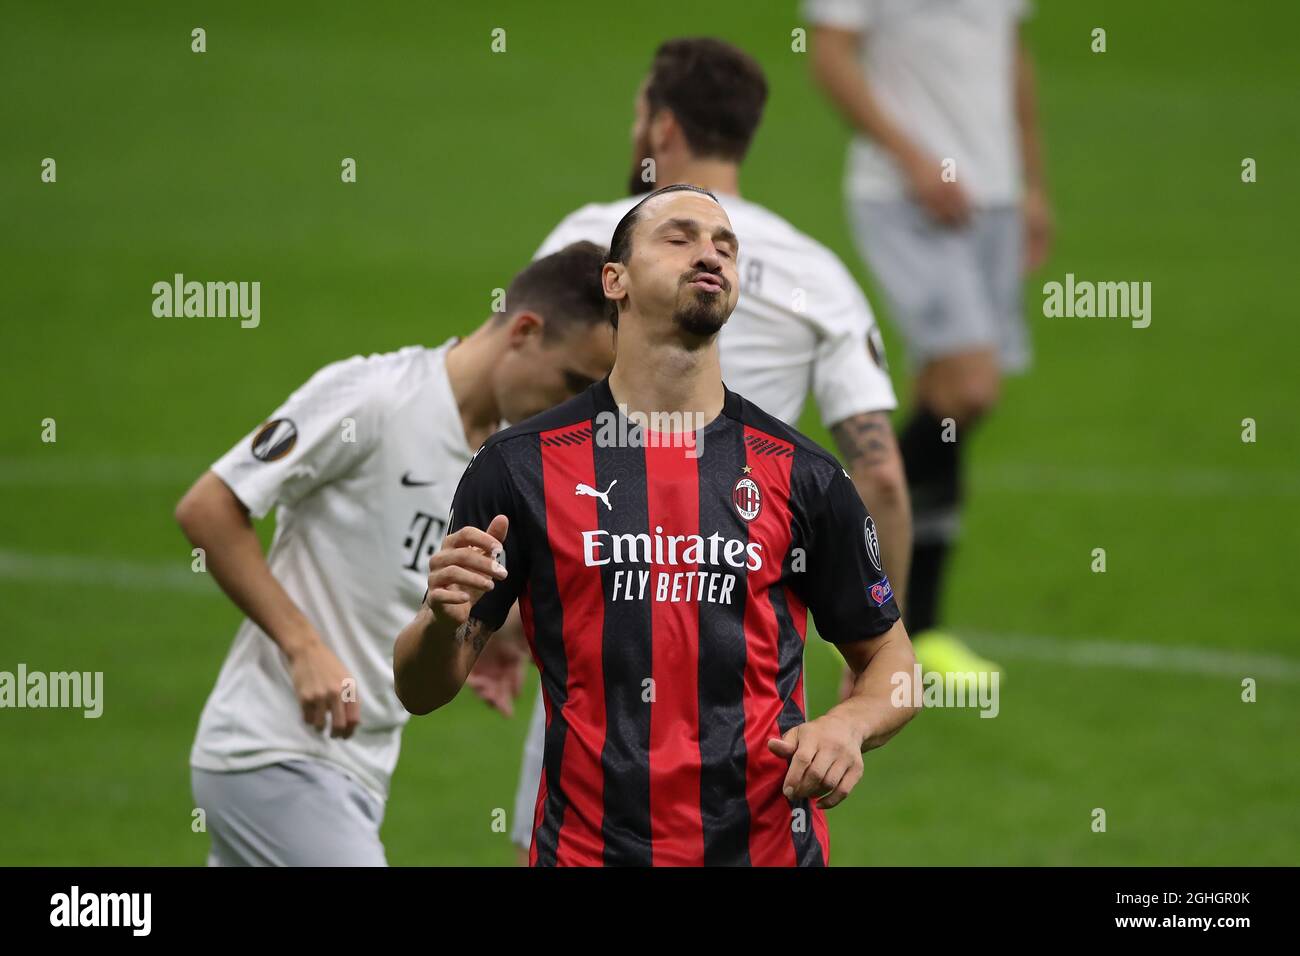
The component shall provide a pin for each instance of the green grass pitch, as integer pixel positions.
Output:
(226, 165)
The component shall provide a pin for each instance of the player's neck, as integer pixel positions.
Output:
(715, 175)
(469, 370)
(667, 376)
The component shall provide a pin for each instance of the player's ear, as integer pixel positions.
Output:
(664, 130)
(613, 278)
(525, 325)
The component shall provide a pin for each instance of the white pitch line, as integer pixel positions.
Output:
(1126, 655)
(1029, 477)
(112, 572)
(1022, 477)
(62, 471)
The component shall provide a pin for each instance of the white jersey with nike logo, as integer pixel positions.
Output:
(360, 465)
(801, 323)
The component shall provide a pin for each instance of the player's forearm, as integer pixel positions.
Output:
(837, 71)
(872, 708)
(1031, 148)
(432, 659)
(214, 519)
(867, 444)
(890, 507)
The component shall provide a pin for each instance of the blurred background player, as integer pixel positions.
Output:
(297, 743)
(801, 324)
(948, 206)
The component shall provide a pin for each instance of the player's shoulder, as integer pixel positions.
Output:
(382, 376)
(764, 232)
(770, 434)
(576, 411)
(614, 209)
(593, 222)
(374, 365)
(771, 227)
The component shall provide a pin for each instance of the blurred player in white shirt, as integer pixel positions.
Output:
(947, 201)
(801, 324)
(298, 741)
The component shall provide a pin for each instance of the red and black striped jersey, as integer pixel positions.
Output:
(665, 592)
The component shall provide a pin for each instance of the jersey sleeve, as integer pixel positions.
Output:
(850, 373)
(844, 584)
(854, 15)
(577, 226)
(322, 430)
(485, 491)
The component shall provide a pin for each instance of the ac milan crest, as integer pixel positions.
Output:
(746, 498)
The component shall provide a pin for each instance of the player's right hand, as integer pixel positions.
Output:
(325, 688)
(946, 202)
(465, 568)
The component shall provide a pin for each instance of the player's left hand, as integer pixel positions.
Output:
(1038, 227)
(825, 760)
(498, 674)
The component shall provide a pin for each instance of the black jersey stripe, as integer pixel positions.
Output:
(724, 810)
(548, 643)
(626, 655)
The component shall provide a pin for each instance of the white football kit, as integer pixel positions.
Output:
(361, 464)
(945, 72)
(801, 325)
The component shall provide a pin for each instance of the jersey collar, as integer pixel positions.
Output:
(603, 400)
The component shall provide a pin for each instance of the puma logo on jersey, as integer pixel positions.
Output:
(584, 489)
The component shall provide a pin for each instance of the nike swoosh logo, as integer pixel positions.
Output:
(410, 482)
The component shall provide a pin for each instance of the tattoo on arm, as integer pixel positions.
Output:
(864, 440)
(474, 631)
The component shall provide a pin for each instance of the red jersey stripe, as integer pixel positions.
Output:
(565, 464)
(771, 842)
(799, 615)
(673, 507)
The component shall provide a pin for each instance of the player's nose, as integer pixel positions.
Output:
(709, 261)
(707, 258)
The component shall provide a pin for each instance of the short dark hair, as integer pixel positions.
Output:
(564, 288)
(715, 90)
(620, 246)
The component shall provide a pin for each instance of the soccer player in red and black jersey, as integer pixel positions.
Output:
(665, 578)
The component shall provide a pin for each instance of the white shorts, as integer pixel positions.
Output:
(295, 813)
(949, 290)
(530, 777)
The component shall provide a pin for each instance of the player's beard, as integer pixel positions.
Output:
(701, 313)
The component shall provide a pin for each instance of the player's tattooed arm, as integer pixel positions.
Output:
(871, 457)
(473, 632)
(436, 651)
(864, 440)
